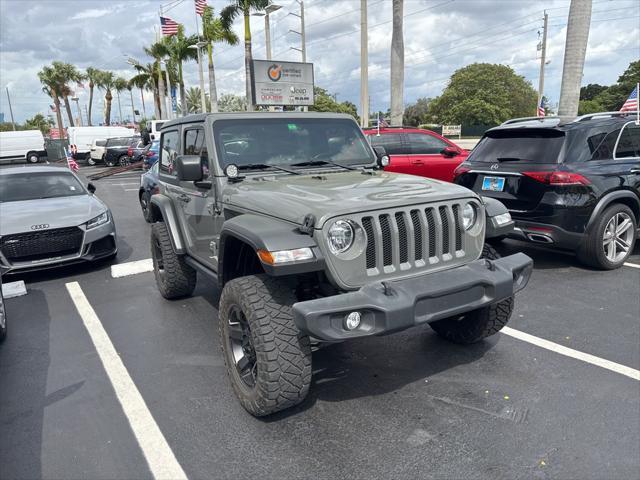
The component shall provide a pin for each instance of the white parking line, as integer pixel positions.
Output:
(628, 264)
(131, 189)
(159, 456)
(569, 352)
(132, 268)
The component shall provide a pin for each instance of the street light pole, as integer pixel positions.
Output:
(203, 97)
(13, 123)
(168, 102)
(543, 59)
(364, 65)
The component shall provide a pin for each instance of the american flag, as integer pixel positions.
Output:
(541, 108)
(169, 27)
(71, 163)
(381, 121)
(200, 5)
(632, 102)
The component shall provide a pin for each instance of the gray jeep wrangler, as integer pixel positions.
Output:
(311, 241)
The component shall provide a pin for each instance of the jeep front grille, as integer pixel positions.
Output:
(26, 247)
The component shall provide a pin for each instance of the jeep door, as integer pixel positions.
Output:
(198, 210)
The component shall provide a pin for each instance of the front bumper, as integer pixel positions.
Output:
(97, 243)
(390, 306)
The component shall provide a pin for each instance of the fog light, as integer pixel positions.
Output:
(352, 321)
(502, 219)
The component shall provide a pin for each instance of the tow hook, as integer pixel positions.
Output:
(490, 265)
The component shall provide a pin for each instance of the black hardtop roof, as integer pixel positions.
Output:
(201, 117)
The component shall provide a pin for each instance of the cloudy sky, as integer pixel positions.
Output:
(440, 36)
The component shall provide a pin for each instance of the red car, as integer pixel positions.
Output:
(418, 152)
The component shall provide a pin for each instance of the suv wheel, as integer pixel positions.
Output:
(3, 317)
(33, 157)
(473, 326)
(268, 359)
(174, 277)
(145, 199)
(91, 161)
(611, 240)
(109, 162)
(123, 160)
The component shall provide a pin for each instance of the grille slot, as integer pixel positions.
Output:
(402, 238)
(417, 234)
(431, 222)
(456, 217)
(446, 248)
(370, 253)
(25, 247)
(387, 255)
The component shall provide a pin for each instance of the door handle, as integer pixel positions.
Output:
(184, 198)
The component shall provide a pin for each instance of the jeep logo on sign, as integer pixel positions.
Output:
(42, 226)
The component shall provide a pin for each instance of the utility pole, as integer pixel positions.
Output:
(169, 102)
(574, 53)
(364, 66)
(543, 59)
(303, 43)
(13, 123)
(397, 64)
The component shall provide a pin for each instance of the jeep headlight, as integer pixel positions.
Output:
(99, 220)
(340, 236)
(469, 216)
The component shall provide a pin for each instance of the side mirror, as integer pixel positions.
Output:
(91, 187)
(189, 168)
(450, 151)
(381, 155)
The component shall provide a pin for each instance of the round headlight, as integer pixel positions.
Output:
(468, 216)
(340, 236)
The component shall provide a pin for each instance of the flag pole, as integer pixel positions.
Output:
(638, 103)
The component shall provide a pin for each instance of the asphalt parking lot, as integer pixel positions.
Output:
(408, 405)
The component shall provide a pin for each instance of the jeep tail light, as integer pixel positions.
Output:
(149, 153)
(460, 169)
(557, 178)
(130, 151)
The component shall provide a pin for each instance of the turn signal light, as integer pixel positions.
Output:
(556, 178)
(285, 256)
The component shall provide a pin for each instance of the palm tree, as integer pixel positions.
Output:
(130, 86)
(194, 100)
(214, 32)
(91, 75)
(106, 81)
(158, 51)
(180, 49)
(397, 64)
(66, 73)
(120, 85)
(146, 79)
(51, 86)
(574, 53)
(227, 16)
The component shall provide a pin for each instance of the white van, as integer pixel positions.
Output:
(83, 137)
(22, 145)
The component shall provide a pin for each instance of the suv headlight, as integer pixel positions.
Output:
(99, 220)
(469, 215)
(340, 236)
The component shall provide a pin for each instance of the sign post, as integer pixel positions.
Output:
(451, 130)
(282, 83)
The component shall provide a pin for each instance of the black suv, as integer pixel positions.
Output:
(118, 149)
(574, 185)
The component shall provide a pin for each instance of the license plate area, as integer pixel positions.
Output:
(493, 184)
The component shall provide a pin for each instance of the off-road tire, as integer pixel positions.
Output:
(283, 352)
(174, 277)
(591, 251)
(477, 324)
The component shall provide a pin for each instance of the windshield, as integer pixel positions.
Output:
(30, 186)
(286, 141)
(525, 145)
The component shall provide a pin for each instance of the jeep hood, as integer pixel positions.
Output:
(328, 195)
(59, 212)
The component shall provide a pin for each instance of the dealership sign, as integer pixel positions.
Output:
(282, 83)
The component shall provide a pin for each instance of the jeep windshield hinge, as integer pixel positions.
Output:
(307, 224)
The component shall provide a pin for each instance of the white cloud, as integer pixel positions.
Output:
(91, 13)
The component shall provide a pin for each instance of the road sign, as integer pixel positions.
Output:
(282, 83)
(451, 130)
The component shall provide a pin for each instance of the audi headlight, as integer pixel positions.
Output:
(340, 236)
(469, 215)
(97, 221)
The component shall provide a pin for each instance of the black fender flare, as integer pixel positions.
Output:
(493, 208)
(169, 217)
(610, 198)
(270, 234)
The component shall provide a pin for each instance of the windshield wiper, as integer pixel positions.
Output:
(262, 166)
(314, 163)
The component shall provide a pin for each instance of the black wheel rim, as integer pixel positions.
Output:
(157, 256)
(3, 318)
(143, 203)
(241, 347)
